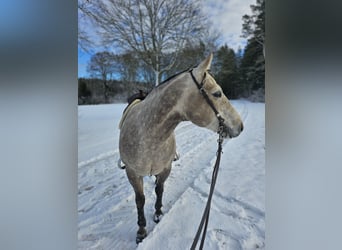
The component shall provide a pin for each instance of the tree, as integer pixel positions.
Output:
(225, 69)
(83, 91)
(155, 30)
(190, 55)
(127, 66)
(253, 26)
(239, 55)
(84, 40)
(101, 65)
(252, 69)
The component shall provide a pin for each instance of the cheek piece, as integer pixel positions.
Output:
(222, 130)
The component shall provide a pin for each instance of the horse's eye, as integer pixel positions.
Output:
(217, 94)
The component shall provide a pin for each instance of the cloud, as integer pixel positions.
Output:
(226, 17)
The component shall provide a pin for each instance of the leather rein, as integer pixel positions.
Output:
(205, 216)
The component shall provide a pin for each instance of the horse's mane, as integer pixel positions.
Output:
(173, 76)
(142, 95)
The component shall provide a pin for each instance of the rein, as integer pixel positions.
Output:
(205, 216)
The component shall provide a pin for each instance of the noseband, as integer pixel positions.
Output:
(200, 86)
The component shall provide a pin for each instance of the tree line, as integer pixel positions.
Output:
(154, 49)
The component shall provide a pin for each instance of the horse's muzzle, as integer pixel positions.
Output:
(231, 133)
(225, 131)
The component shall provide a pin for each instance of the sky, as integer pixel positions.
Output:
(226, 17)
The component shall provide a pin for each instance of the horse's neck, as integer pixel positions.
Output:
(161, 111)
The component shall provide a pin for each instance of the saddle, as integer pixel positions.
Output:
(132, 101)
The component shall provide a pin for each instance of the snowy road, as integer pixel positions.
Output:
(106, 207)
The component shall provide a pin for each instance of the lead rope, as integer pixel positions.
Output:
(205, 216)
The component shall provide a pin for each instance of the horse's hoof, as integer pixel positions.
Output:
(157, 217)
(141, 234)
(139, 239)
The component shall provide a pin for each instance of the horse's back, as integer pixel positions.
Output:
(142, 144)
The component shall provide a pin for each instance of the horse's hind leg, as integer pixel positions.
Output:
(160, 179)
(138, 186)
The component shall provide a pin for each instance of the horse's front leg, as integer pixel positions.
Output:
(160, 179)
(138, 186)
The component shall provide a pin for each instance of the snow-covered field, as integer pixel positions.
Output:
(107, 217)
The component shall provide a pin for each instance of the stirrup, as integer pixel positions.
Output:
(121, 165)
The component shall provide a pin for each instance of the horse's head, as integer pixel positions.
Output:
(199, 110)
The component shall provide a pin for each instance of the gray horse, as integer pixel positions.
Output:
(147, 140)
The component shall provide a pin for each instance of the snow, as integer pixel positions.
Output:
(106, 204)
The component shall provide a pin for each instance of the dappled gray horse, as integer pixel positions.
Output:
(147, 139)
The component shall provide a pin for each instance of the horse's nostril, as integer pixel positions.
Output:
(241, 127)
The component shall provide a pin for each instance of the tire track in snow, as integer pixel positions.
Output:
(99, 157)
(199, 145)
(107, 214)
(194, 145)
(249, 218)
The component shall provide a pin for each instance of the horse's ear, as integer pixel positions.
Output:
(204, 65)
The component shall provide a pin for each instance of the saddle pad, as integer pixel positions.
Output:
(129, 107)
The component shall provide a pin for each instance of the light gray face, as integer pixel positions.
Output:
(232, 120)
(200, 112)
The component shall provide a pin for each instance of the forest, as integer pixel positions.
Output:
(158, 50)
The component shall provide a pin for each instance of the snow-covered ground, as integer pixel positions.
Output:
(107, 217)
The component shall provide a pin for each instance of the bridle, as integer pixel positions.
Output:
(205, 216)
(200, 86)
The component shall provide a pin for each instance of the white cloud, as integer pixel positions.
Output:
(226, 17)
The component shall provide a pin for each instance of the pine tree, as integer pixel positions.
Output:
(83, 91)
(252, 67)
(225, 70)
(253, 26)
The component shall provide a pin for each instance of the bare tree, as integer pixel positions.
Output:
(150, 28)
(84, 40)
(127, 67)
(101, 65)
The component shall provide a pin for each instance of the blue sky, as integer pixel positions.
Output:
(83, 59)
(225, 15)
